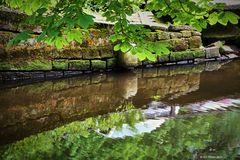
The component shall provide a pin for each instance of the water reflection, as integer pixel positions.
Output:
(30, 109)
(186, 137)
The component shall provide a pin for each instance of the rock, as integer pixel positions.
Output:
(212, 52)
(79, 65)
(195, 33)
(152, 36)
(179, 44)
(232, 56)
(186, 34)
(163, 58)
(127, 60)
(229, 49)
(60, 65)
(180, 28)
(98, 64)
(162, 35)
(175, 35)
(195, 42)
(90, 53)
(216, 44)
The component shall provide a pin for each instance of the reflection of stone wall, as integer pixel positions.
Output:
(40, 106)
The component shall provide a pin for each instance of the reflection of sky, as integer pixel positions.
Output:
(158, 115)
(139, 128)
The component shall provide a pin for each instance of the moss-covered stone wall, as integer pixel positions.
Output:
(94, 54)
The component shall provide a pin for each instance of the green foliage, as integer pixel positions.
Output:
(197, 14)
(179, 138)
(61, 21)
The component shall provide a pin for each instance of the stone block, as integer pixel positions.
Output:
(180, 28)
(225, 49)
(163, 35)
(232, 56)
(180, 56)
(175, 35)
(91, 53)
(212, 52)
(111, 63)
(79, 65)
(5, 66)
(195, 33)
(163, 58)
(186, 34)
(33, 65)
(69, 53)
(106, 52)
(178, 44)
(98, 64)
(127, 60)
(60, 65)
(152, 36)
(195, 42)
(199, 53)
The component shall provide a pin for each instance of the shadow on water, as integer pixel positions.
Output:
(34, 108)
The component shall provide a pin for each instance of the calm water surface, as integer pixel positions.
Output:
(186, 112)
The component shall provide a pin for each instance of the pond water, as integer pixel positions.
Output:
(184, 112)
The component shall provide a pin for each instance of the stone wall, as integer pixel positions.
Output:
(32, 60)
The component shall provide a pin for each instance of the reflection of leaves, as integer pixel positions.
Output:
(176, 139)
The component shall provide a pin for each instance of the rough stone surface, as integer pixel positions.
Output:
(79, 64)
(180, 28)
(127, 60)
(232, 56)
(195, 33)
(162, 35)
(106, 52)
(175, 35)
(225, 49)
(98, 64)
(163, 58)
(179, 44)
(152, 36)
(212, 52)
(195, 42)
(60, 65)
(90, 53)
(186, 34)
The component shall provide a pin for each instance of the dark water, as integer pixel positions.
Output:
(104, 116)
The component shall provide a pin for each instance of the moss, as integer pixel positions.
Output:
(91, 53)
(152, 36)
(175, 35)
(106, 52)
(60, 65)
(79, 65)
(183, 55)
(199, 54)
(5, 66)
(98, 64)
(111, 63)
(34, 65)
(163, 58)
(195, 42)
(163, 35)
(186, 34)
